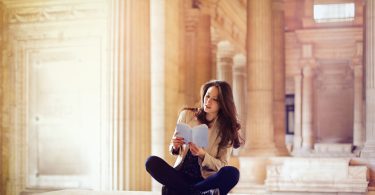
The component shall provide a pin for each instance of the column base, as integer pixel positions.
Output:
(368, 154)
(283, 151)
(253, 174)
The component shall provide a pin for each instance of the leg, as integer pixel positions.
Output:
(225, 180)
(165, 174)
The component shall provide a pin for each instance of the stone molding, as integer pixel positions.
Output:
(19, 15)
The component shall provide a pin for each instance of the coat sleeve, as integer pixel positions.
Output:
(212, 163)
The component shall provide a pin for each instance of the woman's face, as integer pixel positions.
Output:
(211, 102)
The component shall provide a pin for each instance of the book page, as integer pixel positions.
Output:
(200, 135)
(184, 130)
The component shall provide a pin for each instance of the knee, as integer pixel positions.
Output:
(151, 162)
(231, 172)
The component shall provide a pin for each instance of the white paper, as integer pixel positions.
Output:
(197, 135)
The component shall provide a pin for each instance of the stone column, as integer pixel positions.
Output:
(297, 140)
(203, 63)
(158, 81)
(358, 130)
(174, 61)
(131, 136)
(239, 88)
(259, 121)
(188, 69)
(369, 149)
(307, 108)
(279, 77)
(197, 69)
(225, 61)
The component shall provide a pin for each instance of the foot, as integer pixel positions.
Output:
(215, 191)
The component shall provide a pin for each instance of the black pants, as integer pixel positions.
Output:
(225, 179)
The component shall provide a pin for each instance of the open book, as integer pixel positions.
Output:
(197, 135)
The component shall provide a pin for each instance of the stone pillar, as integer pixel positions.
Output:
(297, 140)
(174, 61)
(132, 92)
(197, 59)
(3, 146)
(187, 70)
(259, 122)
(203, 63)
(307, 108)
(239, 89)
(158, 114)
(369, 149)
(279, 77)
(225, 61)
(358, 130)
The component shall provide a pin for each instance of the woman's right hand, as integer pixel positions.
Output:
(177, 142)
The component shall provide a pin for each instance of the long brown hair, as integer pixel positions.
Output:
(227, 116)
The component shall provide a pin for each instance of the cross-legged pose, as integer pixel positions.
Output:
(199, 170)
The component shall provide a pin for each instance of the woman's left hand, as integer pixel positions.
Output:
(197, 151)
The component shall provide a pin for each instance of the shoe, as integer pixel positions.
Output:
(215, 191)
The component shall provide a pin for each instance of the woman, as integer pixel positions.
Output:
(203, 170)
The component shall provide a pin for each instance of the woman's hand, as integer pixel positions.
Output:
(177, 142)
(197, 151)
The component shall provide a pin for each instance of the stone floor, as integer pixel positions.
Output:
(89, 192)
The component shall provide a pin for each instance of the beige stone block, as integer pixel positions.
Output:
(316, 175)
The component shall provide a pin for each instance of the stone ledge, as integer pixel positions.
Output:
(316, 175)
(333, 148)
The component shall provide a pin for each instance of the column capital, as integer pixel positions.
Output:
(239, 60)
(225, 49)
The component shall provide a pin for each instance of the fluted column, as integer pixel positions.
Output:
(187, 70)
(369, 149)
(225, 61)
(239, 88)
(203, 63)
(197, 58)
(358, 130)
(307, 108)
(158, 113)
(131, 136)
(279, 76)
(297, 139)
(259, 121)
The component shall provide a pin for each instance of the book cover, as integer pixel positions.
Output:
(197, 135)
